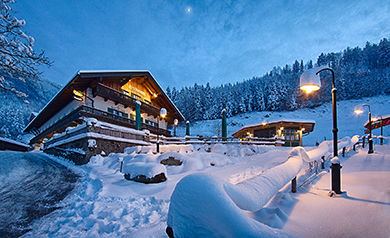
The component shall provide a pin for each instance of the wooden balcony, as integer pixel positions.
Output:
(100, 115)
(119, 97)
(76, 117)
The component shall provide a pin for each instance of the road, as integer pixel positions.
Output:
(31, 185)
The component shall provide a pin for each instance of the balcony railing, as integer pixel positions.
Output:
(118, 120)
(86, 111)
(112, 94)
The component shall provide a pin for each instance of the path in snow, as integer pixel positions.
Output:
(363, 210)
(31, 184)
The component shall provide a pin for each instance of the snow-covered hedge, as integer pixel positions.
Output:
(207, 206)
(149, 170)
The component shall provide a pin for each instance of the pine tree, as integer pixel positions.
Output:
(384, 53)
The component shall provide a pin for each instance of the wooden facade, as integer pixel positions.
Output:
(291, 131)
(108, 96)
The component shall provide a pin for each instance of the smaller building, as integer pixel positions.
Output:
(290, 131)
(8, 144)
(377, 122)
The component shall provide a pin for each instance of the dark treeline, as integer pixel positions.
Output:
(358, 72)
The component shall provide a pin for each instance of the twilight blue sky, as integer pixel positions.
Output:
(187, 42)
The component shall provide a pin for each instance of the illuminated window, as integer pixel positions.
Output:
(291, 134)
(136, 96)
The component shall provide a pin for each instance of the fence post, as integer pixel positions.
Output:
(323, 162)
(294, 185)
(364, 141)
(344, 152)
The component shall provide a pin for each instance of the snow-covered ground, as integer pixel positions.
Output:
(106, 205)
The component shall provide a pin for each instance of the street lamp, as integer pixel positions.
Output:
(175, 123)
(360, 111)
(163, 114)
(310, 81)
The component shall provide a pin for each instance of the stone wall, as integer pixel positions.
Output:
(80, 151)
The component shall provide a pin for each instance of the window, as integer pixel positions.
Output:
(136, 96)
(125, 92)
(116, 112)
(151, 123)
(291, 134)
(266, 133)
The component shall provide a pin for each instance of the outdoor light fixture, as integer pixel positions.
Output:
(310, 81)
(78, 95)
(359, 110)
(163, 114)
(175, 123)
(264, 123)
(281, 128)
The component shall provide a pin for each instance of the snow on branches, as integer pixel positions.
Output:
(17, 57)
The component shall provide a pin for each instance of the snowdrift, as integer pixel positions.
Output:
(207, 206)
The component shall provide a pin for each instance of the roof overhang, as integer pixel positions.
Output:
(83, 79)
(307, 124)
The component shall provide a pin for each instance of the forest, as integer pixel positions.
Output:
(358, 73)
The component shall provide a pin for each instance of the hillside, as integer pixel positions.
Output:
(15, 111)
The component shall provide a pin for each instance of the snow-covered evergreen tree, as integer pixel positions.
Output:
(279, 88)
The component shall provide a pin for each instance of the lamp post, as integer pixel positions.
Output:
(370, 142)
(163, 113)
(310, 81)
(175, 123)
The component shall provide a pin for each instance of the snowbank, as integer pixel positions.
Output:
(149, 170)
(200, 207)
(206, 206)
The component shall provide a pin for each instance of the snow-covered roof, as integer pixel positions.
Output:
(80, 81)
(10, 141)
(386, 117)
(299, 121)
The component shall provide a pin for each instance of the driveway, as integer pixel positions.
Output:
(31, 185)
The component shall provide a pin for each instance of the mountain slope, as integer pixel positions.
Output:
(16, 111)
